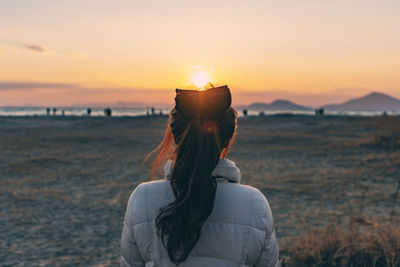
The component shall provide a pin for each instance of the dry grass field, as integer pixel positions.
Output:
(64, 184)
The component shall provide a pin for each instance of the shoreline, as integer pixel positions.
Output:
(166, 115)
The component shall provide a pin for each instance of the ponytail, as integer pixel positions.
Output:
(199, 144)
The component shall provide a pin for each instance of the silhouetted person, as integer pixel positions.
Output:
(62, 112)
(88, 110)
(48, 111)
(153, 111)
(161, 112)
(245, 112)
(107, 112)
(54, 111)
(319, 111)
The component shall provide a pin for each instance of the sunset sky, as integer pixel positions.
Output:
(312, 52)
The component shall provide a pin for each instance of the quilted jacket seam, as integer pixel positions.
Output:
(213, 222)
(150, 230)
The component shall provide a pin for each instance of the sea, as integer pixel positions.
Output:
(135, 112)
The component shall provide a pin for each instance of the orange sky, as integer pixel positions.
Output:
(312, 52)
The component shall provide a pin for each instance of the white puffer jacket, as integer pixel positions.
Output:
(239, 231)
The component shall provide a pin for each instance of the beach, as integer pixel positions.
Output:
(65, 181)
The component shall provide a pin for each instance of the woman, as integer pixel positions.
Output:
(199, 215)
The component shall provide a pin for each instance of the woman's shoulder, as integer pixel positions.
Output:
(147, 198)
(151, 185)
(244, 199)
(243, 192)
(146, 189)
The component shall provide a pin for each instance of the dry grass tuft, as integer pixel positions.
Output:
(387, 135)
(356, 246)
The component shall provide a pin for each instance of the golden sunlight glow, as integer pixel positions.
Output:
(200, 79)
(259, 49)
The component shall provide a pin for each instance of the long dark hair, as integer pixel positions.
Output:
(199, 132)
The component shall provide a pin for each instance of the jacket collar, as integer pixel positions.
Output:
(225, 170)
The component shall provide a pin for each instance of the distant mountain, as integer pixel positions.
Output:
(279, 104)
(372, 102)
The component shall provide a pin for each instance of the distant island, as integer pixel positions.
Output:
(279, 104)
(372, 102)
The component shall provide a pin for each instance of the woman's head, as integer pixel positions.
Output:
(199, 132)
(209, 112)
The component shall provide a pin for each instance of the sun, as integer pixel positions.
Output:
(200, 79)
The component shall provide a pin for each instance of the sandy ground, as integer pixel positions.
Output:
(64, 182)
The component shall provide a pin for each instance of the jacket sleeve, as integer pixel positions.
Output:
(270, 253)
(130, 254)
(269, 256)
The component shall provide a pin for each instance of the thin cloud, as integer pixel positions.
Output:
(37, 48)
(73, 87)
(29, 86)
